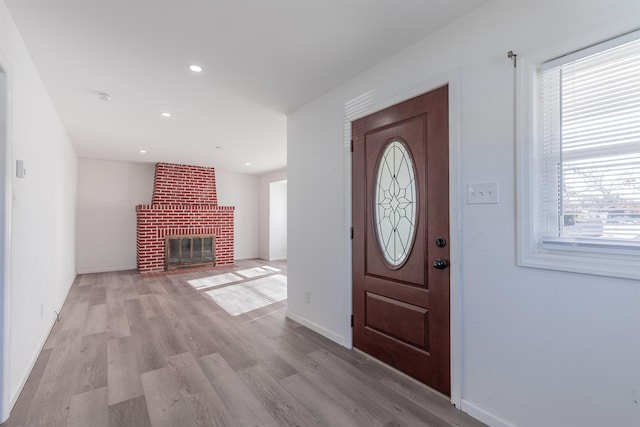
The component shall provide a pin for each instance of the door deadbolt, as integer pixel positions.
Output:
(441, 243)
(440, 263)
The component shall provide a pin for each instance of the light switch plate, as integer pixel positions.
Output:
(21, 172)
(486, 193)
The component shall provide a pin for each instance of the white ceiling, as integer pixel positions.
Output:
(261, 59)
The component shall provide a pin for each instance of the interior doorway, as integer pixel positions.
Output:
(278, 221)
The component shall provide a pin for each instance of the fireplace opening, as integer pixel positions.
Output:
(190, 251)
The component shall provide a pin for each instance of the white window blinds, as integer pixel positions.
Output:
(590, 125)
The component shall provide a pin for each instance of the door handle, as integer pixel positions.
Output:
(440, 263)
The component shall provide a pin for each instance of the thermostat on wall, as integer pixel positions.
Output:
(21, 172)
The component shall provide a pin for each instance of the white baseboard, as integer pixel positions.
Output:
(106, 269)
(278, 258)
(480, 414)
(316, 328)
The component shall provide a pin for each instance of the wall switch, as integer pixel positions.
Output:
(21, 172)
(482, 193)
(307, 296)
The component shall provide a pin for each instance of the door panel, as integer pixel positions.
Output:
(401, 301)
(382, 313)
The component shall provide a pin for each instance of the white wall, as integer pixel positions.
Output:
(265, 209)
(108, 193)
(241, 191)
(44, 208)
(539, 348)
(278, 220)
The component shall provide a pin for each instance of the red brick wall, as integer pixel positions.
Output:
(184, 203)
(184, 185)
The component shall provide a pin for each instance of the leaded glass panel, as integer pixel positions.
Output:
(395, 203)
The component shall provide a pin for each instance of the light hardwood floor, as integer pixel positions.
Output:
(132, 351)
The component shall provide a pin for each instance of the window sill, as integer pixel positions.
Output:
(612, 262)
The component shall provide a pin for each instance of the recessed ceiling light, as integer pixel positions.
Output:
(195, 68)
(143, 151)
(166, 114)
(247, 164)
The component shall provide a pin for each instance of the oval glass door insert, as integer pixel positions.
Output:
(395, 203)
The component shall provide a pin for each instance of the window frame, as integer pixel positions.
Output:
(613, 260)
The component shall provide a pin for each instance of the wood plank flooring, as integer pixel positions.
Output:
(133, 351)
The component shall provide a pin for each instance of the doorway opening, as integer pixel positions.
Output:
(278, 221)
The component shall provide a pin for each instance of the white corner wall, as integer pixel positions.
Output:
(538, 348)
(43, 214)
(242, 191)
(265, 209)
(108, 192)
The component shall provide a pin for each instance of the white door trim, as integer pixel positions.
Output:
(5, 236)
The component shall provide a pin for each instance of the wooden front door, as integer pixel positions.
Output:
(401, 233)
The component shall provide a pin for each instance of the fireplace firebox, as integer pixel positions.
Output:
(190, 251)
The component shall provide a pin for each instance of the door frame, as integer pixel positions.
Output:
(364, 105)
(6, 186)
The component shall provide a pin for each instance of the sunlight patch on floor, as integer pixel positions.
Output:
(249, 296)
(213, 281)
(250, 273)
(237, 276)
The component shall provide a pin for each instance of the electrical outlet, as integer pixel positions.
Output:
(307, 296)
(486, 193)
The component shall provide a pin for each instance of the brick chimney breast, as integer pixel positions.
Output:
(184, 185)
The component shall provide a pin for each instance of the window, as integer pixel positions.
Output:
(579, 195)
(395, 203)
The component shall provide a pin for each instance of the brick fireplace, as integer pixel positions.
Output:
(185, 203)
